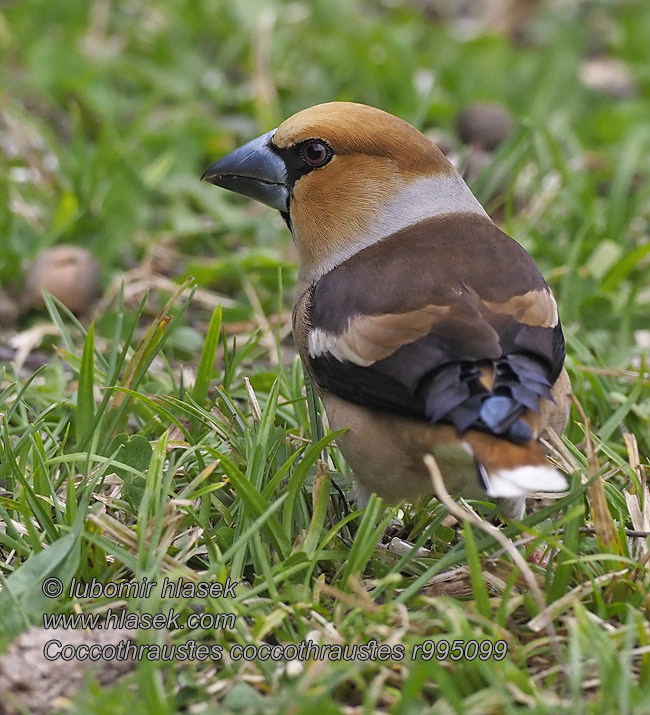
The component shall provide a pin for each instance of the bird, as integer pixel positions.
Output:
(426, 329)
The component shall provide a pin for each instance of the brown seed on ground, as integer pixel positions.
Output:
(485, 125)
(69, 273)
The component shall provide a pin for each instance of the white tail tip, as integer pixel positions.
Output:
(520, 481)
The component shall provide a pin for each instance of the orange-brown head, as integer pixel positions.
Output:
(344, 175)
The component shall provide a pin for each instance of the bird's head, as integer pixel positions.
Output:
(344, 176)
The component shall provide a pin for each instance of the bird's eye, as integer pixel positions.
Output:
(315, 153)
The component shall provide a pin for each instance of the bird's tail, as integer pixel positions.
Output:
(513, 470)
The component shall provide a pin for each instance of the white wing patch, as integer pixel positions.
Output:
(371, 338)
(321, 342)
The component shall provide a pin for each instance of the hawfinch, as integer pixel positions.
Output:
(425, 327)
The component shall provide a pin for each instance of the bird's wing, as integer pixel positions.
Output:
(447, 321)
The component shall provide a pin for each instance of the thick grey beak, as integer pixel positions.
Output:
(255, 170)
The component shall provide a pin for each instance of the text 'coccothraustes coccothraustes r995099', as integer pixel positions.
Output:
(425, 327)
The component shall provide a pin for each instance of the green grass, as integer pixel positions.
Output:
(169, 437)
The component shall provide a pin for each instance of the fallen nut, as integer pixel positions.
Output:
(69, 273)
(484, 124)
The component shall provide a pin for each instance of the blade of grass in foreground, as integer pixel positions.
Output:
(366, 538)
(208, 355)
(85, 391)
